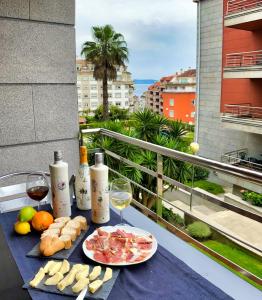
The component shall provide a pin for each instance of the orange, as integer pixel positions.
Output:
(41, 220)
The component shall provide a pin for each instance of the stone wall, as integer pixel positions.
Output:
(214, 138)
(38, 97)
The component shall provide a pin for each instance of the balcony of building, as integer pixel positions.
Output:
(243, 117)
(244, 14)
(243, 65)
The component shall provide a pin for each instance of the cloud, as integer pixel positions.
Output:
(160, 34)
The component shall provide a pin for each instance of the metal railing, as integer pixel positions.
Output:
(235, 6)
(162, 180)
(244, 59)
(243, 111)
(240, 157)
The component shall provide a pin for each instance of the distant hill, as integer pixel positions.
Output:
(144, 81)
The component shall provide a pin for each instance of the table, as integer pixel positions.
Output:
(124, 286)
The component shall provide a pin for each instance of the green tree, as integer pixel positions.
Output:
(106, 52)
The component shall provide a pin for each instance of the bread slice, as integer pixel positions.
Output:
(63, 220)
(82, 221)
(69, 231)
(55, 232)
(56, 226)
(50, 245)
(75, 225)
(66, 238)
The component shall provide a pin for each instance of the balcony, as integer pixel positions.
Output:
(243, 65)
(189, 203)
(244, 14)
(243, 117)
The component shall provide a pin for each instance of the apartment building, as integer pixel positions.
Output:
(229, 114)
(179, 97)
(90, 92)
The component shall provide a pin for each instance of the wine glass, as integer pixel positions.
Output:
(120, 195)
(37, 187)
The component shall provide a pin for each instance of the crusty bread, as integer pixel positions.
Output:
(50, 245)
(82, 221)
(51, 232)
(75, 225)
(66, 238)
(63, 220)
(69, 231)
(56, 226)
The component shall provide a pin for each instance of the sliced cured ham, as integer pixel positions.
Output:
(119, 246)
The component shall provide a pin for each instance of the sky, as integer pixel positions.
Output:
(160, 34)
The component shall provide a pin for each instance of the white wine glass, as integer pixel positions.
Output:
(37, 187)
(120, 195)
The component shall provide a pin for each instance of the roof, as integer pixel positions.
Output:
(188, 73)
(167, 78)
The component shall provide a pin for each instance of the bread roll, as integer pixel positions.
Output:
(50, 245)
(69, 231)
(63, 220)
(66, 238)
(56, 226)
(75, 225)
(82, 221)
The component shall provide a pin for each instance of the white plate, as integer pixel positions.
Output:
(128, 229)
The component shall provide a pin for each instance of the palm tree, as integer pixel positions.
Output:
(106, 52)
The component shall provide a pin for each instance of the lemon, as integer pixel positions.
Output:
(26, 214)
(22, 227)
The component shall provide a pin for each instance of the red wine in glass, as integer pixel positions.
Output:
(37, 187)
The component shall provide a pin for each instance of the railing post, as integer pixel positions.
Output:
(159, 184)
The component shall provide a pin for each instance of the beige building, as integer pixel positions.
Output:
(90, 92)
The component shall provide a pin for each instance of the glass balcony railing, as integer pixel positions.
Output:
(175, 203)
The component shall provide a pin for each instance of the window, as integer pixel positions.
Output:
(194, 101)
(85, 96)
(109, 95)
(93, 86)
(171, 114)
(127, 86)
(109, 87)
(93, 96)
(118, 77)
(171, 102)
(118, 95)
(126, 103)
(93, 104)
(118, 103)
(126, 95)
(118, 87)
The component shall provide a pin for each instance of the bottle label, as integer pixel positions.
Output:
(100, 201)
(82, 187)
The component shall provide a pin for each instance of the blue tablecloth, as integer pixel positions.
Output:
(163, 277)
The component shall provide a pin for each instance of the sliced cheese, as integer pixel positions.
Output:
(80, 285)
(55, 268)
(95, 285)
(108, 274)
(95, 273)
(83, 273)
(65, 267)
(48, 265)
(68, 280)
(54, 279)
(38, 277)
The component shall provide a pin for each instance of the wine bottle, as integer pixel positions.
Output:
(82, 182)
(60, 186)
(99, 190)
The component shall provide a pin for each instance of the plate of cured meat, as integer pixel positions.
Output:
(120, 245)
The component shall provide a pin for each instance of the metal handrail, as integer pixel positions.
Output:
(242, 173)
(235, 6)
(6, 176)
